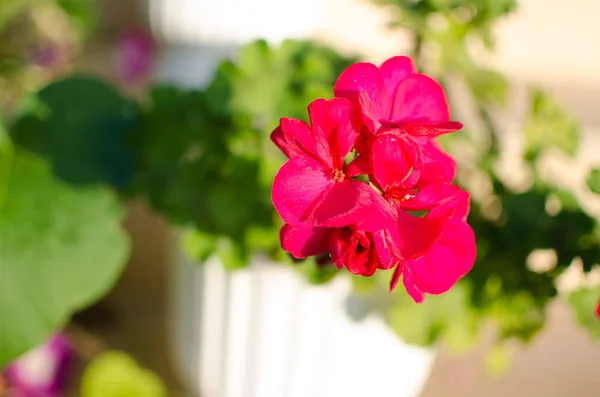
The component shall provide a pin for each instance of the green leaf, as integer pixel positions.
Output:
(584, 302)
(549, 125)
(199, 245)
(83, 12)
(80, 124)
(60, 250)
(232, 254)
(593, 181)
(116, 374)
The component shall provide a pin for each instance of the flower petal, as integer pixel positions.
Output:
(456, 207)
(438, 165)
(396, 277)
(295, 139)
(420, 96)
(396, 69)
(297, 185)
(351, 203)
(431, 196)
(431, 129)
(393, 159)
(384, 251)
(411, 287)
(303, 240)
(414, 236)
(447, 261)
(364, 77)
(344, 135)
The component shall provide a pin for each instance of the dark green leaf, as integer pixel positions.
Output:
(80, 124)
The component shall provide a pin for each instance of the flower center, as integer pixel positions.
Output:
(338, 175)
(399, 197)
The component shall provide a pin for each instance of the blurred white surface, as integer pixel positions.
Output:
(264, 332)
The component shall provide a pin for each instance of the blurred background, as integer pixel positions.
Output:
(536, 43)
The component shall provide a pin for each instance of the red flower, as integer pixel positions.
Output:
(395, 95)
(315, 186)
(409, 217)
(598, 310)
(448, 259)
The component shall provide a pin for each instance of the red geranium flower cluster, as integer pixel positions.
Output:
(367, 183)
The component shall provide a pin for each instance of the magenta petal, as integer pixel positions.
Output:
(431, 196)
(297, 185)
(414, 236)
(457, 207)
(410, 285)
(303, 240)
(383, 248)
(438, 165)
(396, 69)
(343, 135)
(448, 260)
(294, 138)
(359, 166)
(432, 129)
(420, 96)
(364, 77)
(393, 158)
(351, 203)
(369, 112)
(396, 277)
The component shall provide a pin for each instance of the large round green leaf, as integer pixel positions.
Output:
(61, 248)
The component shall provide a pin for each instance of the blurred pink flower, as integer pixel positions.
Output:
(134, 56)
(42, 372)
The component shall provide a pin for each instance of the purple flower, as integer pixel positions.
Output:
(134, 56)
(42, 372)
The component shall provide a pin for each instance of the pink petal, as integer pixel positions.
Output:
(414, 236)
(598, 310)
(297, 185)
(369, 112)
(447, 261)
(384, 250)
(393, 159)
(359, 166)
(438, 165)
(396, 277)
(339, 245)
(351, 203)
(457, 207)
(295, 139)
(303, 240)
(344, 135)
(432, 129)
(420, 96)
(411, 287)
(364, 77)
(396, 69)
(431, 196)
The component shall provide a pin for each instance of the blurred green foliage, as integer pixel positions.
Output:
(116, 374)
